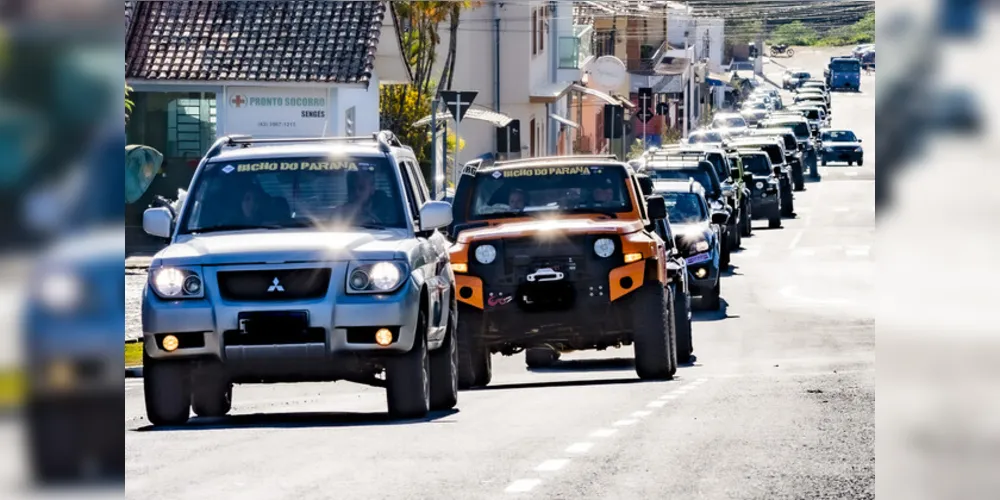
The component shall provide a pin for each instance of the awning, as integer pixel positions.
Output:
(550, 92)
(498, 120)
(564, 121)
(610, 99)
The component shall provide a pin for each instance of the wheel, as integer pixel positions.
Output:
(788, 205)
(823, 162)
(408, 377)
(541, 357)
(444, 366)
(167, 388)
(682, 318)
(774, 52)
(655, 340)
(726, 256)
(789, 52)
(747, 221)
(774, 221)
(850, 163)
(475, 365)
(861, 162)
(211, 390)
(712, 299)
(799, 177)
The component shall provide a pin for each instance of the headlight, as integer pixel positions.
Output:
(760, 184)
(858, 150)
(486, 254)
(173, 283)
(701, 246)
(379, 277)
(604, 247)
(61, 291)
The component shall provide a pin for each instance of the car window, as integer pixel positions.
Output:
(543, 190)
(684, 208)
(682, 174)
(730, 122)
(702, 137)
(757, 165)
(839, 136)
(294, 192)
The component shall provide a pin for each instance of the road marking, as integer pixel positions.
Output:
(552, 465)
(623, 423)
(641, 414)
(700, 381)
(523, 485)
(601, 433)
(796, 240)
(656, 404)
(859, 251)
(580, 447)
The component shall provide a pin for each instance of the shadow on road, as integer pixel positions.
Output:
(731, 270)
(295, 421)
(588, 365)
(717, 315)
(560, 383)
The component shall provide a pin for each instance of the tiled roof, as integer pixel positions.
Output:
(297, 41)
(129, 12)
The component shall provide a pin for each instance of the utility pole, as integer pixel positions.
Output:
(436, 177)
(758, 63)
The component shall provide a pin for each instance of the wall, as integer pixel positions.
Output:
(365, 103)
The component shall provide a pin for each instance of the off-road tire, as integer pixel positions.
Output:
(824, 162)
(774, 221)
(682, 320)
(167, 390)
(475, 363)
(712, 300)
(408, 384)
(654, 335)
(850, 163)
(788, 205)
(726, 255)
(444, 366)
(747, 221)
(799, 177)
(861, 162)
(211, 390)
(540, 357)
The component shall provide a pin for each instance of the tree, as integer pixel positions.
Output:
(794, 33)
(448, 73)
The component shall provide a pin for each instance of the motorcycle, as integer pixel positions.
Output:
(781, 49)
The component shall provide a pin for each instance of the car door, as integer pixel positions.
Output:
(433, 251)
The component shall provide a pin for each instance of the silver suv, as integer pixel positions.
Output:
(301, 260)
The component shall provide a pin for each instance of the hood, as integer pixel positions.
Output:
(686, 235)
(263, 246)
(842, 145)
(528, 228)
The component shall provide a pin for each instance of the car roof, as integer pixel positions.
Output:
(749, 152)
(300, 150)
(674, 186)
(548, 161)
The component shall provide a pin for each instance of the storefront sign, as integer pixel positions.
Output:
(277, 112)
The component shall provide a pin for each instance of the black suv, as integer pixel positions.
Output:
(776, 152)
(702, 171)
(803, 136)
(793, 156)
(765, 186)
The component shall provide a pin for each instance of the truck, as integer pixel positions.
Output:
(843, 73)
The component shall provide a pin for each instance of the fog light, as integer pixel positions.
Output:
(170, 343)
(701, 273)
(383, 337)
(632, 257)
(460, 268)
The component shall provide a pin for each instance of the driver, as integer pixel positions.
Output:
(603, 193)
(360, 190)
(516, 200)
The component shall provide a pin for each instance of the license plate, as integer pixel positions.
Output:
(698, 258)
(271, 321)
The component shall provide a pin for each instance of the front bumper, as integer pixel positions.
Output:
(210, 327)
(764, 207)
(702, 276)
(829, 156)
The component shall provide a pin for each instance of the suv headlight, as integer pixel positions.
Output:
(604, 248)
(175, 283)
(701, 246)
(376, 277)
(486, 254)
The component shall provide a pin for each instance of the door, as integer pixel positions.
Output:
(432, 258)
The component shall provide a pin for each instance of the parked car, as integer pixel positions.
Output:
(841, 145)
(754, 112)
(707, 137)
(793, 155)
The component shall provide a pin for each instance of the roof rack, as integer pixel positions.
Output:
(385, 139)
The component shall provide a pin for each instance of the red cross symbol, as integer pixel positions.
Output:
(238, 101)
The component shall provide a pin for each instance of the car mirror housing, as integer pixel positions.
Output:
(720, 218)
(158, 222)
(435, 215)
(777, 171)
(657, 207)
(734, 173)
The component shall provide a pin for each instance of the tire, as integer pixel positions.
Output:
(211, 390)
(823, 162)
(654, 336)
(408, 384)
(789, 52)
(747, 221)
(726, 256)
(799, 177)
(712, 299)
(540, 357)
(861, 162)
(444, 366)
(682, 319)
(788, 205)
(475, 364)
(774, 221)
(850, 163)
(167, 388)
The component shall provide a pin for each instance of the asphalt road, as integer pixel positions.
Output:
(780, 403)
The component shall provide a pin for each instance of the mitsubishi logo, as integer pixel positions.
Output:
(276, 286)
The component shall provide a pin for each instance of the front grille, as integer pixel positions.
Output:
(274, 285)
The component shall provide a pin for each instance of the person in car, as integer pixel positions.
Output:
(360, 206)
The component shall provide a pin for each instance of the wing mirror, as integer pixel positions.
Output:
(720, 218)
(158, 222)
(748, 178)
(734, 173)
(776, 171)
(656, 207)
(435, 215)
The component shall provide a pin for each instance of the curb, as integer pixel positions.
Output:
(135, 372)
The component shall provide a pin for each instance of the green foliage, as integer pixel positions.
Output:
(794, 33)
(670, 135)
(635, 150)
(797, 33)
(743, 31)
(400, 106)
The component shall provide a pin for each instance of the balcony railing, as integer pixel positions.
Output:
(575, 50)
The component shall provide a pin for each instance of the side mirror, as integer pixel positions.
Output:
(748, 178)
(158, 222)
(645, 184)
(720, 218)
(656, 207)
(860, 141)
(777, 171)
(734, 173)
(435, 215)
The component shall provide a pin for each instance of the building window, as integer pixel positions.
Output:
(349, 122)
(569, 52)
(533, 139)
(541, 31)
(534, 32)
(604, 43)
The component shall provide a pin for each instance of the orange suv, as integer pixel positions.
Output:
(559, 254)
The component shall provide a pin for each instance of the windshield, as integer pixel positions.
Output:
(683, 174)
(801, 129)
(684, 208)
(755, 105)
(730, 122)
(812, 114)
(294, 192)
(845, 66)
(802, 76)
(756, 165)
(702, 137)
(839, 136)
(544, 190)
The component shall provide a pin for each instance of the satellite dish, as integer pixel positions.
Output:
(142, 163)
(607, 73)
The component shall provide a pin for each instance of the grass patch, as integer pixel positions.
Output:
(133, 354)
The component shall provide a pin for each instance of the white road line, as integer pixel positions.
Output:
(552, 465)
(641, 414)
(700, 381)
(851, 174)
(623, 423)
(796, 240)
(656, 404)
(579, 447)
(601, 433)
(523, 485)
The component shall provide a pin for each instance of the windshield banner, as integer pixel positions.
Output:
(347, 166)
(546, 171)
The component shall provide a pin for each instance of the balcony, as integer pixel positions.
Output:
(575, 51)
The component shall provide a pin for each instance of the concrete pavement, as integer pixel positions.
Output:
(780, 403)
